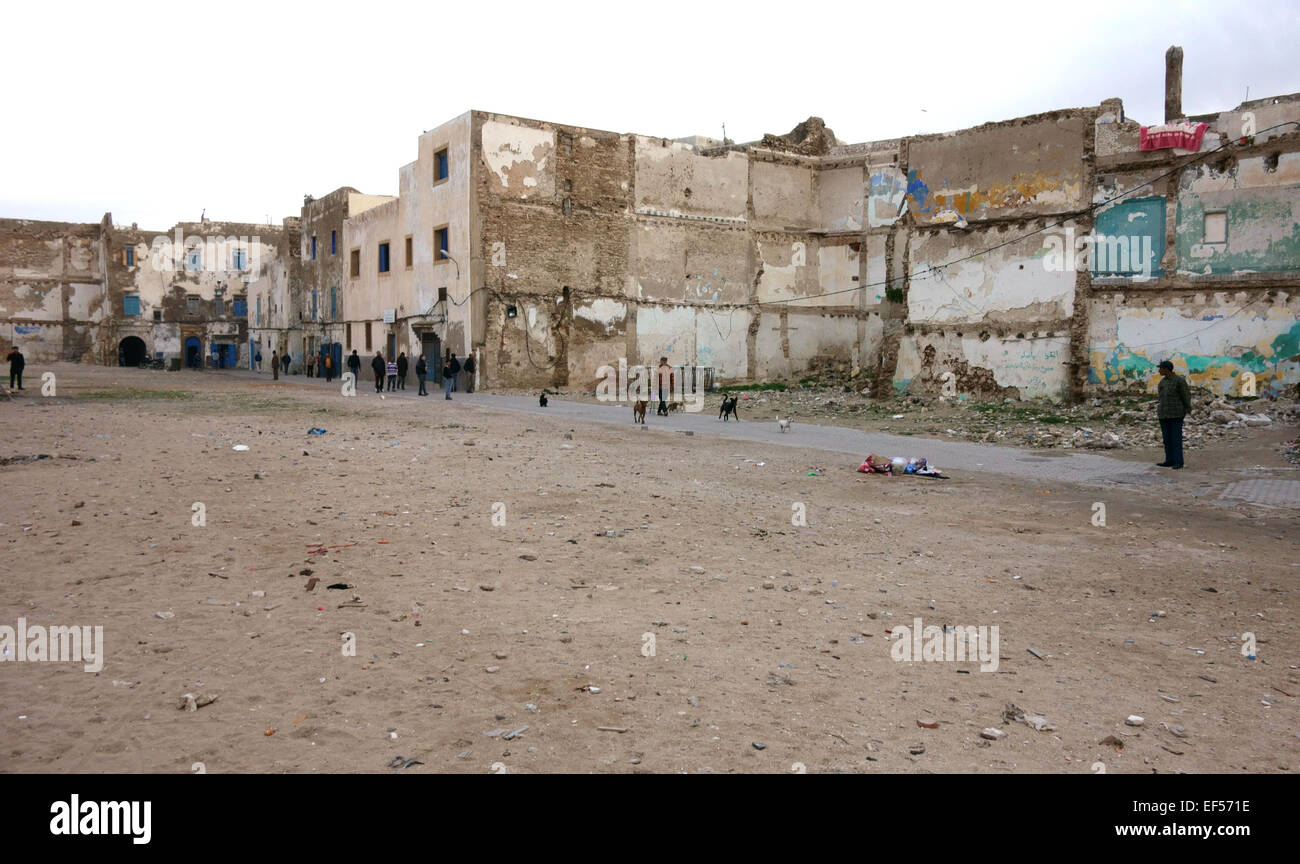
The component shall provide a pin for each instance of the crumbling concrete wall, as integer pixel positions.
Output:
(1222, 305)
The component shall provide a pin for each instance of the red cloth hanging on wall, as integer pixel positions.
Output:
(1184, 136)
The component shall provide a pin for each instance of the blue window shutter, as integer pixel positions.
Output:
(334, 242)
(313, 304)
(334, 301)
(131, 305)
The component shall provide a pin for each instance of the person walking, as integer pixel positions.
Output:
(328, 362)
(469, 368)
(422, 372)
(667, 381)
(448, 376)
(455, 371)
(288, 361)
(392, 375)
(354, 366)
(275, 365)
(1173, 403)
(311, 366)
(378, 366)
(16, 365)
(259, 359)
(402, 365)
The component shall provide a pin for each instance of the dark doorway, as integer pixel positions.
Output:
(225, 356)
(193, 359)
(131, 351)
(431, 348)
(392, 347)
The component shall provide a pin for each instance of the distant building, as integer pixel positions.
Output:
(102, 293)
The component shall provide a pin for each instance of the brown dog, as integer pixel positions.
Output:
(638, 411)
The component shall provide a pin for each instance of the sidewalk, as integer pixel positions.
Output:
(1069, 466)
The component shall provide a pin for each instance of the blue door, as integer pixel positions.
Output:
(193, 359)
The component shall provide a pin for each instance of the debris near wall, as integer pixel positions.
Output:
(809, 138)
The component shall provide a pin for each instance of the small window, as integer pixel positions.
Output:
(334, 302)
(440, 166)
(194, 259)
(349, 339)
(192, 304)
(1216, 227)
(128, 256)
(313, 247)
(130, 305)
(334, 242)
(259, 311)
(313, 304)
(240, 307)
(442, 294)
(383, 257)
(157, 314)
(367, 326)
(441, 245)
(410, 258)
(239, 259)
(356, 263)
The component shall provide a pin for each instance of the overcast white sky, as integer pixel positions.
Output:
(157, 111)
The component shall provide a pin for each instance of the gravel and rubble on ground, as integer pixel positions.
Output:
(1115, 420)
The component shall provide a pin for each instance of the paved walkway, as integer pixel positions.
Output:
(949, 456)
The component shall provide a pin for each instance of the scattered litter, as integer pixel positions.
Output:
(1013, 714)
(1133, 720)
(992, 734)
(509, 735)
(1035, 653)
(318, 431)
(240, 447)
(758, 745)
(190, 702)
(164, 615)
(401, 762)
(618, 729)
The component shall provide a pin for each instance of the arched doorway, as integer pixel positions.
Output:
(131, 351)
(193, 359)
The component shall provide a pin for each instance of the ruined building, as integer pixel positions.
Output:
(102, 293)
(1042, 256)
(1048, 255)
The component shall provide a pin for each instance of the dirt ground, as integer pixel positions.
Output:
(771, 640)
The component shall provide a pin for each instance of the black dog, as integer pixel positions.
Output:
(729, 407)
(542, 400)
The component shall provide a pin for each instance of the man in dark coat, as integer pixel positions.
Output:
(16, 364)
(378, 366)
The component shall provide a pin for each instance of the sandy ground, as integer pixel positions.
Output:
(766, 634)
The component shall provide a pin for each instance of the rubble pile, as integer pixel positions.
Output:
(1108, 422)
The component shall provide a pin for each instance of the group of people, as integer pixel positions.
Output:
(393, 372)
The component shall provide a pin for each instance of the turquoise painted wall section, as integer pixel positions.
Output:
(1263, 233)
(1130, 238)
